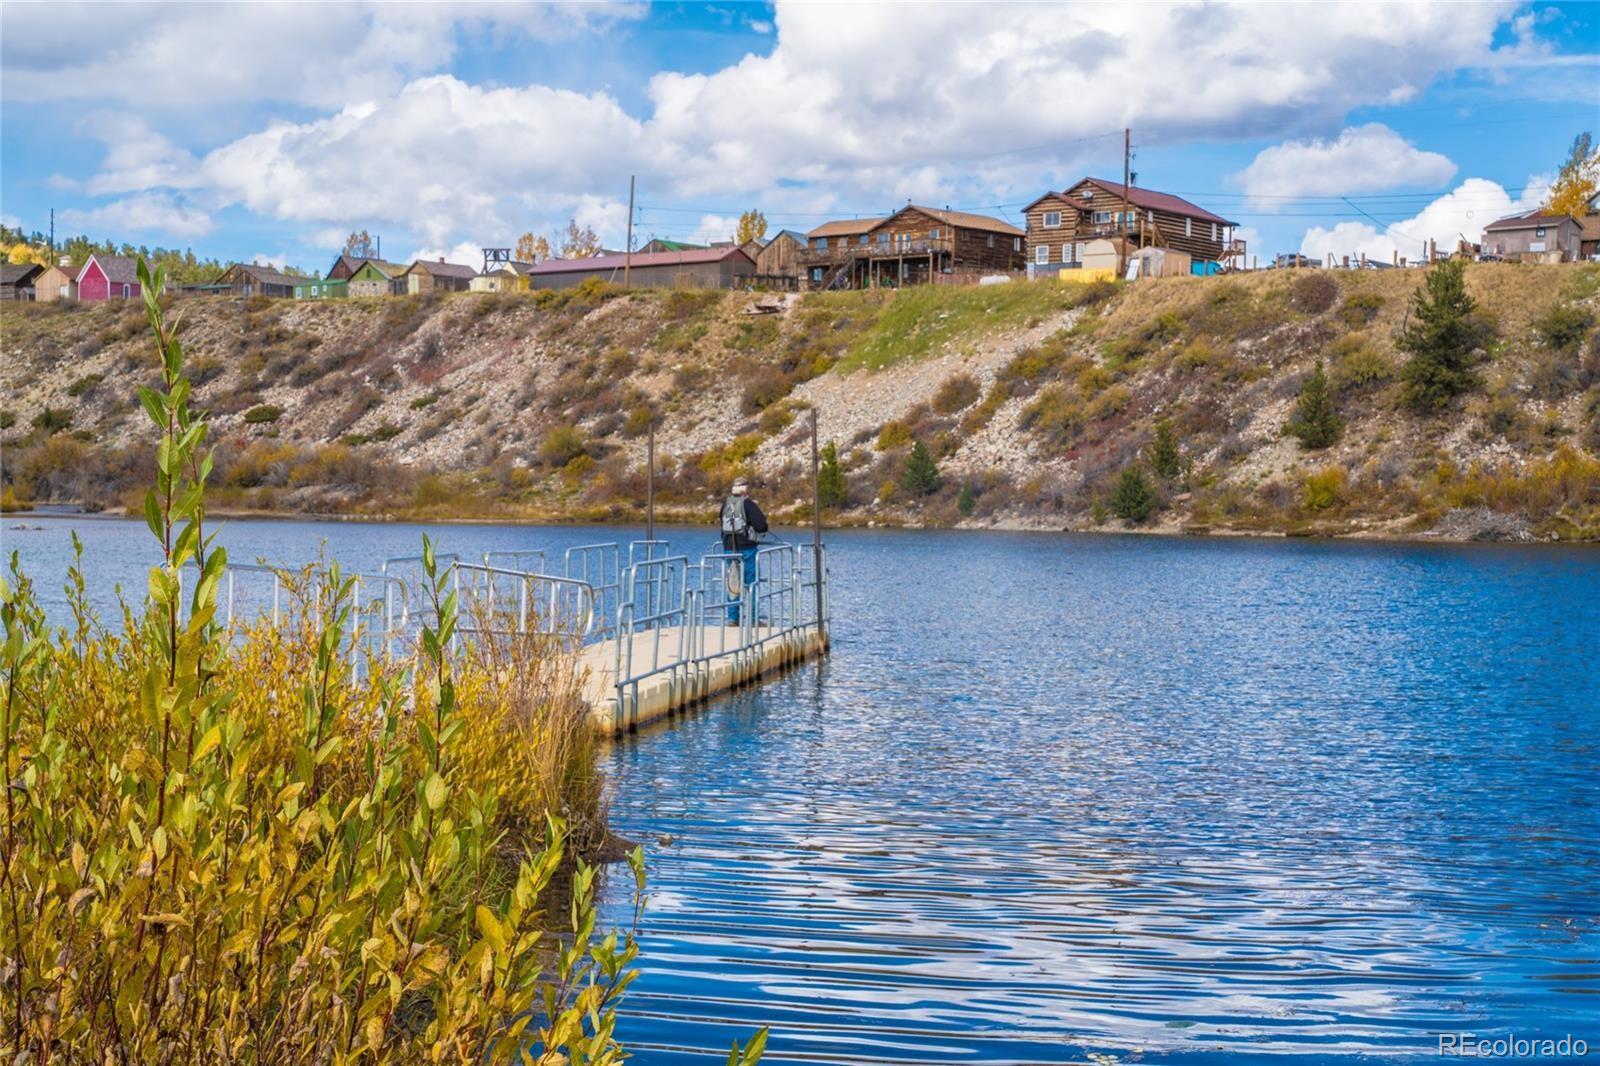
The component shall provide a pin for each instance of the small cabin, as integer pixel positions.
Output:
(427, 275)
(59, 282)
(252, 279)
(322, 289)
(108, 277)
(17, 280)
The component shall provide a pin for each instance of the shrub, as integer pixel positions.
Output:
(265, 412)
(7, 419)
(637, 424)
(425, 401)
(1163, 453)
(966, 501)
(10, 502)
(1358, 365)
(832, 488)
(1315, 423)
(1132, 499)
(958, 392)
(1360, 308)
(561, 445)
(894, 434)
(1564, 326)
(1441, 339)
(1324, 488)
(52, 420)
(921, 474)
(1313, 292)
(84, 384)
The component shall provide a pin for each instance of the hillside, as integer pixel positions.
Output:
(1032, 398)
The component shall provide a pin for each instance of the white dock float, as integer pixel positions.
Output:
(617, 710)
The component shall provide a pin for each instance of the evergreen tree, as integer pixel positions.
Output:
(966, 501)
(1132, 500)
(1163, 453)
(1315, 423)
(1441, 338)
(831, 486)
(921, 475)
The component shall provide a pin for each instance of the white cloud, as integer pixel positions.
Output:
(163, 56)
(855, 105)
(152, 212)
(714, 228)
(467, 253)
(1462, 212)
(1361, 159)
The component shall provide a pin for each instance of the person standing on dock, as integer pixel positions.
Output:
(742, 527)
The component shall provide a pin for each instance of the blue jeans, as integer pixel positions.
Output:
(745, 585)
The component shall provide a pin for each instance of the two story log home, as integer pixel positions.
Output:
(1061, 224)
(913, 246)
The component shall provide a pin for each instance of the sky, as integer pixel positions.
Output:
(268, 132)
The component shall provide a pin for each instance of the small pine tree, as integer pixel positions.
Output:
(831, 486)
(921, 475)
(1315, 423)
(1132, 500)
(1163, 452)
(966, 500)
(1441, 339)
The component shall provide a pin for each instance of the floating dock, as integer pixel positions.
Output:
(654, 632)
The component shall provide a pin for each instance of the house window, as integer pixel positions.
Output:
(1539, 232)
(820, 243)
(991, 240)
(883, 238)
(1041, 254)
(816, 273)
(863, 238)
(1052, 219)
(1102, 217)
(1150, 217)
(1016, 244)
(1213, 231)
(1188, 227)
(1077, 252)
(125, 288)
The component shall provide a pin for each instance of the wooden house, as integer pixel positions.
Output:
(59, 282)
(915, 245)
(778, 262)
(427, 275)
(702, 268)
(252, 279)
(1061, 224)
(374, 277)
(1535, 236)
(322, 288)
(108, 277)
(17, 280)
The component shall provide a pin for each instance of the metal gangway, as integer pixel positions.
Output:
(654, 631)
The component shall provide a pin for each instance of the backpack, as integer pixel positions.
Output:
(734, 522)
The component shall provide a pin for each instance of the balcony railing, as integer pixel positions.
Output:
(893, 249)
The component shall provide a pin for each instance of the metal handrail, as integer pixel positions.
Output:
(556, 592)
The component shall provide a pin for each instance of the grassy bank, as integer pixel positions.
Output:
(1032, 400)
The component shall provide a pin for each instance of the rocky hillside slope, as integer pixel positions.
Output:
(1033, 400)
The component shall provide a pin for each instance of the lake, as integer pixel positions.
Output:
(1061, 795)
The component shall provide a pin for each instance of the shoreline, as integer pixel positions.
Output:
(12, 519)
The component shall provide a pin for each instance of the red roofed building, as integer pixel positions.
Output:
(700, 268)
(1060, 224)
(108, 277)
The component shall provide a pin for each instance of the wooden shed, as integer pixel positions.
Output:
(59, 282)
(1535, 236)
(706, 268)
(252, 279)
(428, 275)
(17, 280)
(779, 258)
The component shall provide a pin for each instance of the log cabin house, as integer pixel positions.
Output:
(1061, 224)
(252, 279)
(427, 275)
(914, 246)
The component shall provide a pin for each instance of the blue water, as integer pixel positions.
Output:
(1163, 800)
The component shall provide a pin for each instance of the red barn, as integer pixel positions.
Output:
(108, 277)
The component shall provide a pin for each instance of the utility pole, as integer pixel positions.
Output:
(816, 524)
(52, 230)
(627, 249)
(650, 481)
(1127, 163)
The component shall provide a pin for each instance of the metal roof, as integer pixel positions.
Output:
(118, 269)
(845, 227)
(1537, 217)
(640, 259)
(1146, 198)
(12, 273)
(442, 269)
(966, 220)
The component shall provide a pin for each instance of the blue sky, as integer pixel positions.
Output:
(269, 131)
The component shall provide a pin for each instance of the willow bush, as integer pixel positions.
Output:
(230, 846)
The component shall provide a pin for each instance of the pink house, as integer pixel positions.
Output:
(108, 277)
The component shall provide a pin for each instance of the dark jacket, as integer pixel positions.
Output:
(752, 518)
